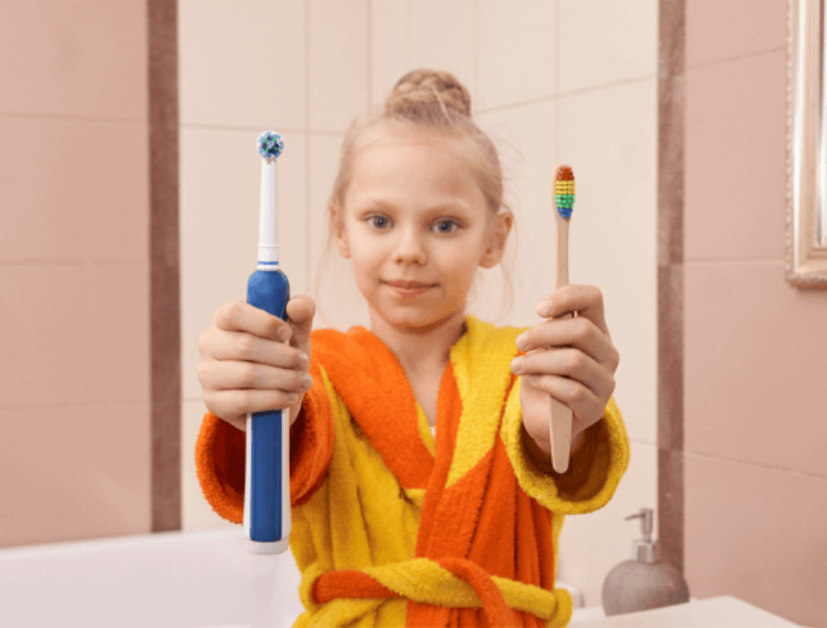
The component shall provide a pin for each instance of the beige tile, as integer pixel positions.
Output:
(609, 138)
(52, 62)
(592, 544)
(757, 533)
(717, 30)
(64, 326)
(754, 367)
(338, 63)
(242, 66)
(390, 46)
(736, 128)
(517, 56)
(196, 512)
(75, 471)
(603, 42)
(442, 38)
(220, 182)
(65, 198)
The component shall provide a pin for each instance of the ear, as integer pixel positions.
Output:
(337, 224)
(497, 239)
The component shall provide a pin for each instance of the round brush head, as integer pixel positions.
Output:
(270, 145)
(564, 191)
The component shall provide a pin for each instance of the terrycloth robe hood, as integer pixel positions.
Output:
(392, 529)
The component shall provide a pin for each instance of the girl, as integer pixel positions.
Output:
(392, 526)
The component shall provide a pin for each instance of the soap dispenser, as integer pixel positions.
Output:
(644, 582)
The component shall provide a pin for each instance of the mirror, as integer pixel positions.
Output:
(806, 145)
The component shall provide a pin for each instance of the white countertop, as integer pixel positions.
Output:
(721, 612)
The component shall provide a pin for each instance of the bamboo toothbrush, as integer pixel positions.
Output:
(561, 415)
(267, 518)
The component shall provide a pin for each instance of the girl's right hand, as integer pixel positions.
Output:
(247, 366)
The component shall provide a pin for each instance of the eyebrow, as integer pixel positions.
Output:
(374, 204)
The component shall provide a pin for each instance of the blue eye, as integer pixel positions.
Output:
(370, 218)
(442, 222)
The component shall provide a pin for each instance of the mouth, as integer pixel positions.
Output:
(408, 290)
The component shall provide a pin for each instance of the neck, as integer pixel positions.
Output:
(420, 349)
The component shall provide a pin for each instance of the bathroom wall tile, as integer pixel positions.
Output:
(390, 46)
(220, 182)
(757, 533)
(609, 138)
(196, 512)
(64, 197)
(527, 31)
(754, 369)
(80, 470)
(603, 42)
(736, 127)
(717, 30)
(242, 67)
(592, 545)
(338, 72)
(53, 63)
(74, 334)
(443, 38)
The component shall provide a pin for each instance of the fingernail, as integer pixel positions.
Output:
(285, 333)
(303, 356)
(516, 365)
(521, 342)
(545, 308)
(307, 380)
(292, 397)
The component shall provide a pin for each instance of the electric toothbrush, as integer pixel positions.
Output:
(267, 519)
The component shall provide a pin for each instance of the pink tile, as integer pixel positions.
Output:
(73, 334)
(754, 368)
(724, 29)
(79, 472)
(757, 533)
(73, 190)
(736, 168)
(74, 58)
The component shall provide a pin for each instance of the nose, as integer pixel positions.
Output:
(410, 249)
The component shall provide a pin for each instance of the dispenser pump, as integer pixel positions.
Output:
(644, 550)
(644, 582)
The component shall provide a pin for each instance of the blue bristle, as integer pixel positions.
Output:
(270, 145)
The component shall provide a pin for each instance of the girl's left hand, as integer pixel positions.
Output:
(577, 369)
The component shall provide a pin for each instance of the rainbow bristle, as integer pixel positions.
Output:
(564, 191)
(270, 145)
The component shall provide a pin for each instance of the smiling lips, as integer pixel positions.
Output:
(409, 285)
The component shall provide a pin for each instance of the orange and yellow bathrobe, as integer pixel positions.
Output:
(390, 529)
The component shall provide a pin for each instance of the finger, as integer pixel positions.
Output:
(580, 333)
(572, 364)
(300, 312)
(241, 346)
(586, 300)
(240, 316)
(232, 375)
(235, 405)
(581, 401)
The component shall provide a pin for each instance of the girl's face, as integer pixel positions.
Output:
(413, 212)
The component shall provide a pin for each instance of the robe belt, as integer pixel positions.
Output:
(449, 582)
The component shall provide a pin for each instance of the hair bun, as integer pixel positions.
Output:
(422, 90)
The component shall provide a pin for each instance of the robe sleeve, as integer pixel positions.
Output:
(221, 452)
(595, 468)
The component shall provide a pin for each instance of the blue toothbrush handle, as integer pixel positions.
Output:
(267, 477)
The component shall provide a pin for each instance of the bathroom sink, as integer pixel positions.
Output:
(194, 579)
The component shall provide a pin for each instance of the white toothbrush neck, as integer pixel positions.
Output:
(268, 217)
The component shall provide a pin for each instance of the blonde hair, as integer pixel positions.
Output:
(427, 101)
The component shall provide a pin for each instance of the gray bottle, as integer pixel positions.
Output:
(643, 582)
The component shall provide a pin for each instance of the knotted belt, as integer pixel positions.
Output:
(449, 582)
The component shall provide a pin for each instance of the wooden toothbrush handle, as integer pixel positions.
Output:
(561, 415)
